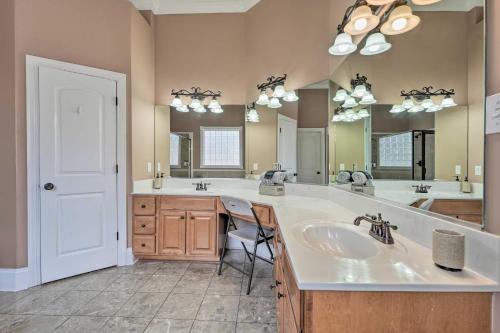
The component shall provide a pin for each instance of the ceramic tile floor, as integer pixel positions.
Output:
(167, 297)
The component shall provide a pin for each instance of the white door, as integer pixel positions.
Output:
(311, 156)
(287, 144)
(77, 173)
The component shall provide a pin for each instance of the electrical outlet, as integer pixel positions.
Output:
(158, 167)
(458, 170)
(256, 166)
(150, 167)
(493, 114)
(478, 170)
(342, 166)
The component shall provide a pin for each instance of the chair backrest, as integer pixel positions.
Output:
(237, 206)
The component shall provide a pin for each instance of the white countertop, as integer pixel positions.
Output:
(405, 266)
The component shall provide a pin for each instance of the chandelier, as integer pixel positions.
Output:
(424, 100)
(277, 86)
(196, 102)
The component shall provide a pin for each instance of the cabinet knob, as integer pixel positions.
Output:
(280, 295)
(182, 217)
(143, 206)
(143, 226)
(143, 245)
(278, 282)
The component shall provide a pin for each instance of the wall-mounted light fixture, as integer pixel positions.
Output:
(380, 17)
(196, 102)
(277, 86)
(424, 100)
(349, 115)
(251, 114)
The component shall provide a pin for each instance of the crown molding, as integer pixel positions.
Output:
(160, 7)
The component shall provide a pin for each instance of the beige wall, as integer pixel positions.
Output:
(142, 78)
(201, 50)
(260, 141)
(313, 108)
(349, 141)
(162, 139)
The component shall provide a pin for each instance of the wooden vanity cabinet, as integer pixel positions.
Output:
(176, 228)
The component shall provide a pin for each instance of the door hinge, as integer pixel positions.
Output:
(116, 168)
(116, 101)
(117, 235)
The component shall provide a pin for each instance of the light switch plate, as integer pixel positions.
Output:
(256, 166)
(150, 167)
(478, 170)
(342, 166)
(458, 170)
(493, 114)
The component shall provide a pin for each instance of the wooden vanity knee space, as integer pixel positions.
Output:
(182, 227)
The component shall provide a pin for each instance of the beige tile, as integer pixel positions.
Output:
(32, 324)
(197, 268)
(128, 282)
(225, 285)
(97, 282)
(9, 298)
(160, 283)
(105, 304)
(169, 326)
(218, 308)
(213, 327)
(32, 303)
(65, 284)
(68, 303)
(257, 310)
(173, 268)
(124, 325)
(180, 306)
(82, 324)
(144, 305)
(192, 284)
(255, 328)
(259, 287)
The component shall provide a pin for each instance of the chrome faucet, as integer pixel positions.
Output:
(201, 186)
(422, 188)
(380, 229)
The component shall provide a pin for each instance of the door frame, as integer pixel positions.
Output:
(324, 166)
(33, 158)
(282, 118)
(190, 135)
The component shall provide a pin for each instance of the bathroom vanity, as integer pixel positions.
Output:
(330, 275)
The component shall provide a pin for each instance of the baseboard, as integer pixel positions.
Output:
(14, 279)
(129, 257)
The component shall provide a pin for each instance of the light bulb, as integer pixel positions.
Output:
(360, 24)
(399, 24)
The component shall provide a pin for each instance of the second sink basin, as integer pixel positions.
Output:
(338, 239)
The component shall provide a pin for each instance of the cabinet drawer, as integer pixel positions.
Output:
(144, 244)
(144, 225)
(144, 206)
(188, 203)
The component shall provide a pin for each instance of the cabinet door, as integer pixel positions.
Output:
(202, 233)
(288, 325)
(278, 276)
(172, 232)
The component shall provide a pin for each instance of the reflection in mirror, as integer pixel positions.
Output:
(293, 136)
(200, 144)
(423, 141)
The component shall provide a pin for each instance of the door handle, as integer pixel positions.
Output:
(49, 187)
(318, 172)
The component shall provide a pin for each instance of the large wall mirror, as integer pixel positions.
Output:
(423, 123)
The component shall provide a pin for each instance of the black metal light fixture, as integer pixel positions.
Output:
(417, 100)
(197, 96)
(277, 85)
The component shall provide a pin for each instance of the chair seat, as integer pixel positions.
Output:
(247, 234)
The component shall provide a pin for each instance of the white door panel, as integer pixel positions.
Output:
(287, 144)
(311, 156)
(78, 156)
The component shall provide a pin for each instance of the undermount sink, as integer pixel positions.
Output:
(338, 239)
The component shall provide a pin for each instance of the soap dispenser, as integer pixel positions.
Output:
(465, 186)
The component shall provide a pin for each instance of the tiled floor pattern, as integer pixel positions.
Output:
(166, 297)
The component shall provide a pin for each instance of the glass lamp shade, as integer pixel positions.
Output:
(375, 44)
(274, 103)
(279, 92)
(195, 104)
(200, 109)
(253, 116)
(408, 103)
(263, 99)
(342, 116)
(400, 20)
(363, 113)
(397, 109)
(350, 102)
(336, 118)
(434, 108)
(427, 103)
(217, 110)
(349, 120)
(340, 95)
(362, 20)
(368, 99)
(416, 108)
(290, 96)
(182, 108)
(448, 102)
(356, 116)
(176, 102)
(343, 45)
(423, 2)
(213, 104)
(359, 91)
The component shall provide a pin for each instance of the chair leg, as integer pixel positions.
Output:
(246, 251)
(219, 272)
(269, 248)
(253, 264)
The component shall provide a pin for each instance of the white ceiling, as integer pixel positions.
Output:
(194, 6)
